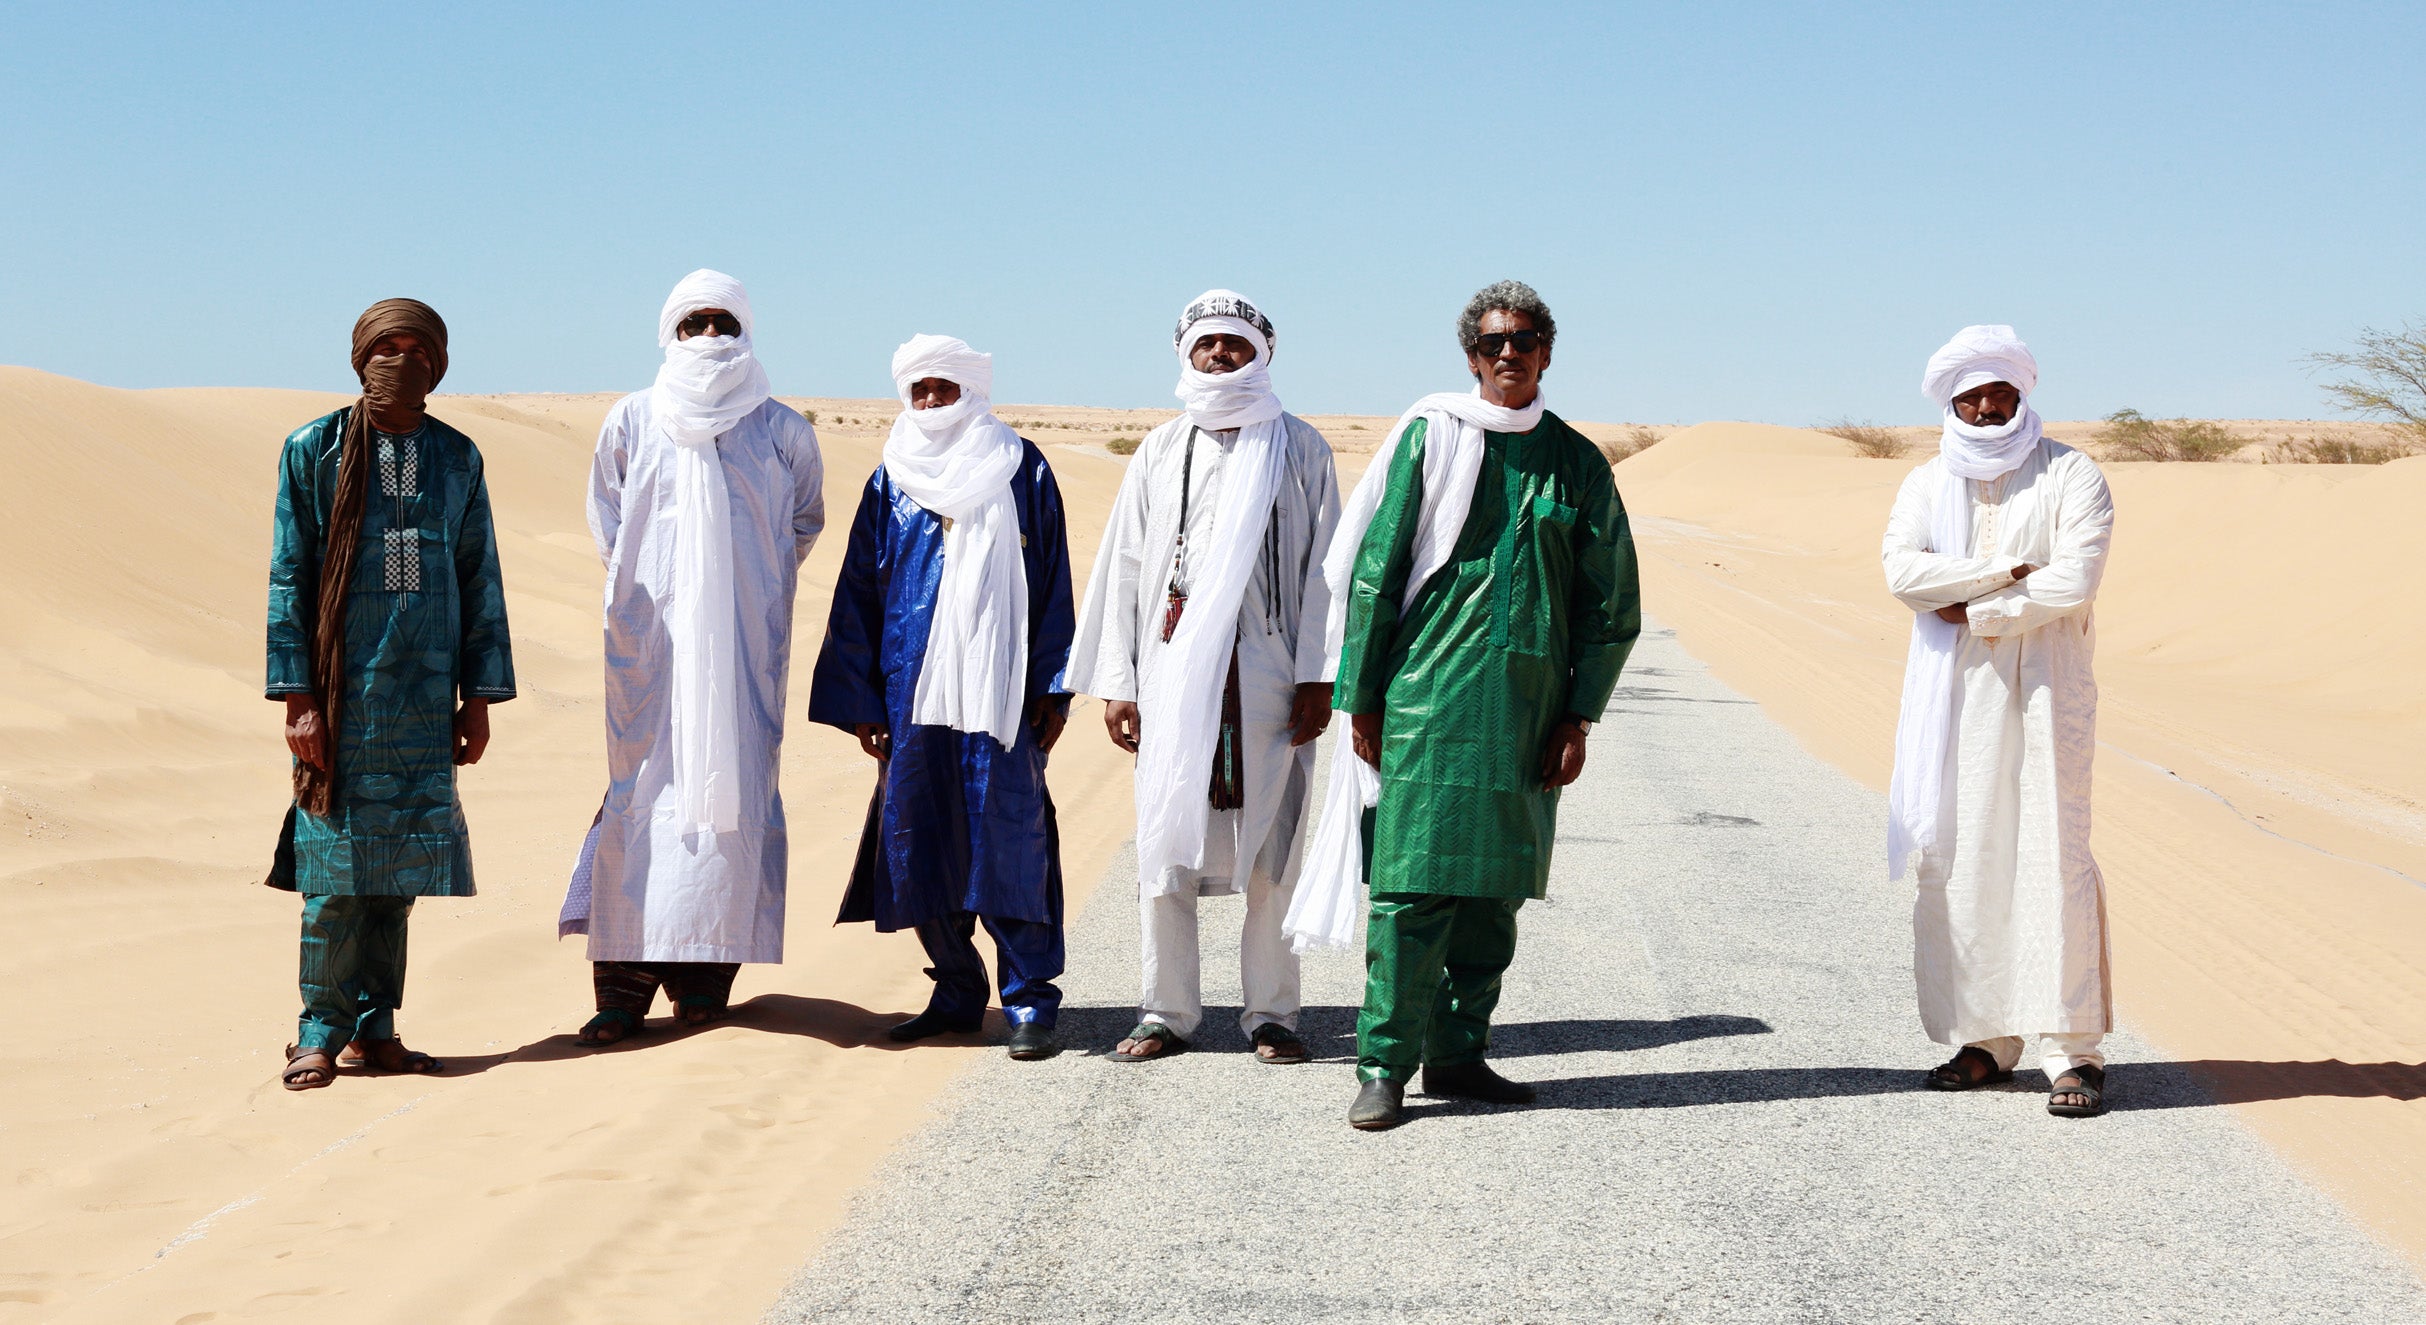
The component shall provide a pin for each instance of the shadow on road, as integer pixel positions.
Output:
(2198, 1083)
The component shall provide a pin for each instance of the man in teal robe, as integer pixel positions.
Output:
(1492, 604)
(390, 504)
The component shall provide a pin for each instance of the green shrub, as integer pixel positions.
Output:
(1869, 440)
(2338, 451)
(1121, 445)
(2131, 435)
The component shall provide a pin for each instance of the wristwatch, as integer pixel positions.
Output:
(1583, 725)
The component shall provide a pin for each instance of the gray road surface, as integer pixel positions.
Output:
(1717, 1005)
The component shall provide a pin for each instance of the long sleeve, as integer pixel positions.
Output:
(608, 467)
(1314, 603)
(1383, 563)
(808, 467)
(1103, 651)
(484, 667)
(295, 543)
(847, 687)
(1605, 606)
(2084, 525)
(1052, 620)
(1924, 580)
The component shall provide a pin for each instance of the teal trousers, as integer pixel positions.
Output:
(1432, 971)
(353, 969)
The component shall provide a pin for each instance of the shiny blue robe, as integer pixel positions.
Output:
(959, 824)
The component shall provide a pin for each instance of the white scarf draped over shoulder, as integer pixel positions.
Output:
(1175, 754)
(1322, 916)
(706, 385)
(1924, 729)
(958, 462)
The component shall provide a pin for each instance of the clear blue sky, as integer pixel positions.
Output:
(1736, 211)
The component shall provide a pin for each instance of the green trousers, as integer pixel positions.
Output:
(1432, 969)
(353, 969)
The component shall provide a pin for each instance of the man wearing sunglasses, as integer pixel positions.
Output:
(1203, 632)
(1489, 582)
(704, 497)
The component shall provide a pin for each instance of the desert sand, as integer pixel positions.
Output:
(2267, 912)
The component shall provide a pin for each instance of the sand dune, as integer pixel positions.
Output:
(156, 1171)
(2261, 788)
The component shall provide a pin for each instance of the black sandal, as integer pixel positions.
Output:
(1950, 1075)
(608, 1017)
(1156, 1032)
(1284, 1043)
(2091, 1081)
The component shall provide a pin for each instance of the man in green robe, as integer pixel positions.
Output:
(386, 607)
(1492, 604)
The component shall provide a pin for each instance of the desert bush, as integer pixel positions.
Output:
(2386, 378)
(809, 414)
(1122, 445)
(2338, 451)
(1868, 439)
(1636, 440)
(2131, 435)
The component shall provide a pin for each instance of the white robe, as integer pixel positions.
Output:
(656, 891)
(2009, 927)
(1119, 647)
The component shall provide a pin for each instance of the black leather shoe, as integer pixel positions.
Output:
(930, 1023)
(1031, 1040)
(1378, 1106)
(1475, 1081)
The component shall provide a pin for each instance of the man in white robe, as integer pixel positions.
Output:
(1203, 632)
(1997, 545)
(705, 495)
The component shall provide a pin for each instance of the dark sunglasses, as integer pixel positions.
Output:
(1493, 343)
(702, 324)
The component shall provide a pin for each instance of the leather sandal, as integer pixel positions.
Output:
(300, 1062)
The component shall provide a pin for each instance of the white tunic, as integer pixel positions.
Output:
(1119, 647)
(656, 891)
(2009, 928)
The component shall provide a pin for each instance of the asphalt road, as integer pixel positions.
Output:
(1716, 1003)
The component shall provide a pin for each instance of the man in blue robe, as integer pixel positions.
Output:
(944, 655)
(386, 609)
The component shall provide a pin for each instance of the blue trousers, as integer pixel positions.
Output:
(1029, 953)
(353, 969)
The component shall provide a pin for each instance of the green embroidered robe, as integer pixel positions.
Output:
(1531, 619)
(425, 622)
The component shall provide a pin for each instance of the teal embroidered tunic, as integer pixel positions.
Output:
(425, 623)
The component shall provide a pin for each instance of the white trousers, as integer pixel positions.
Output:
(1174, 971)
(2058, 1054)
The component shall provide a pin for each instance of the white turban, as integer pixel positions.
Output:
(958, 461)
(1967, 452)
(1220, 401)
(703, 289)
(1974, 358)
(947, 357)
(706, 386)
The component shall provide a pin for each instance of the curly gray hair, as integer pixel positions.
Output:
(1514, 296)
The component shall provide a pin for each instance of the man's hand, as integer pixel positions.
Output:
(471, 730)
(1364, 736)
(1048, 719)
(876, 739)
(303, 730)
(2022, 572)
(1563, 754)
(1958, 613)
(1120, 719)
(1310, 713)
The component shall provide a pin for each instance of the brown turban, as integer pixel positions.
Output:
(394, 386)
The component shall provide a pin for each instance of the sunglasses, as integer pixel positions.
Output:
(704, 324)
(1494, 343)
